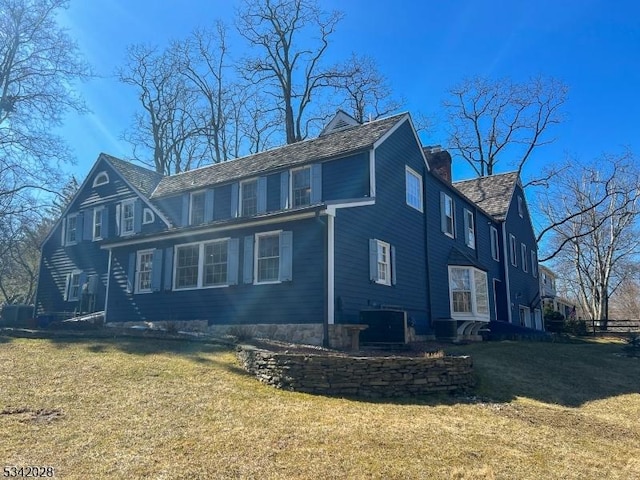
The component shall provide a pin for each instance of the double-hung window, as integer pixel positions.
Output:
(249, 198)
(196, 210)
(71, 232)
(127, 221)
(534, 263)
(203, 265)
(97, 223)
(469, 295)
(413, 185)
(448, 215)
(74, 286)
(187, 265)
(267, 258)
(215, 263)
(143, 271)
(384, 263)
(469, 229)
(512, 250)
(523, 257)
(301, 187)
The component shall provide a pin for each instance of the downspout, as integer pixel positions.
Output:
(106, 295)
(507, 259)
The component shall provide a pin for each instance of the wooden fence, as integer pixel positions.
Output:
(622, 327)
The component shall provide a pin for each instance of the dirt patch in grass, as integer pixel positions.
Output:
(26, 414)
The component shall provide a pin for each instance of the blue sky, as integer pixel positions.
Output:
(422, 47)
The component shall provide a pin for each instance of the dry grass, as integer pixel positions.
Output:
(166, 409)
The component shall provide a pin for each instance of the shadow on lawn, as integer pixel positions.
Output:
(556, 373)
(567, 374)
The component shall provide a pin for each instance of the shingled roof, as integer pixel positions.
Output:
(339, 143)
(492, 194)
(143, 179)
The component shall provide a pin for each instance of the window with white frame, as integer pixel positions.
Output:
(249, 198)
(512, 250)
(525, 316)
(534, 263)
(301, 187)
(448, 220)
(215, 263)
(74, 286)
(267, 259)
(495, 249)
(469, 294)
(97, 223)
(127, 221)
(102, 178)
(384, 263)
(523, 257)
(470, 229)
(143, 271)
(71, 232)
(413, 183)
(148, 216)
(186, 266)
(196, 210)
(202, 265)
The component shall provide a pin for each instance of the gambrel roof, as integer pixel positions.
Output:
(339, 143)
(493, 193)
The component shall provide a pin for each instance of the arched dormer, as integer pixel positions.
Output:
(102, 178)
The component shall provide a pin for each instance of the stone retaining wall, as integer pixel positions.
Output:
(372, 377)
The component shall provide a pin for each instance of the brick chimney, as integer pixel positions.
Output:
(439, 161)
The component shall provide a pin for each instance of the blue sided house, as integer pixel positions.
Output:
(351, 227)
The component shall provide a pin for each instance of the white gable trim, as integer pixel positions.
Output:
(338, 122)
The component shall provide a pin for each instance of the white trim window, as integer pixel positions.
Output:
(148, 216)
(469, 229)
(74, 286)
(187, 265)
(204, 265)
(71, 230)
(468, 293)
(128, 213)
(495, 250)
(97, 223)
(301, 187)
(383, 263)
(196, 208)
(523, 257)
(448, 216)
(512, 250)
(413, 185)
(215, 263)
(267, 258)
(144, 266)
(534, 263)
(102, 178)
(249, 197)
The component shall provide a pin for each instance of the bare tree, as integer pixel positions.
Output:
(366, 90)
(39, 63)
(168, 124)
(625, 303)
(495, 119)
(594, 212)
(292, 37)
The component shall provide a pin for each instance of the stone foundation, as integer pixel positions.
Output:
(306, 333)
(372, 377)
(167, 325)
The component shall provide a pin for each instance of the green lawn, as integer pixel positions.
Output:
(135, 408)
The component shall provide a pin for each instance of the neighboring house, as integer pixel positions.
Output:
(297, 240)
(550, 298)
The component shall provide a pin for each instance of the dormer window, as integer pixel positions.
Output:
(101, 179)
